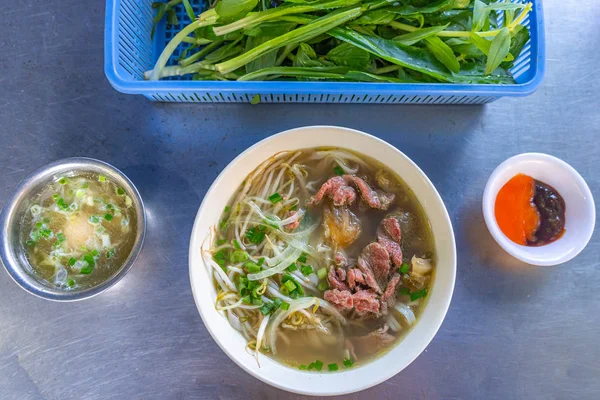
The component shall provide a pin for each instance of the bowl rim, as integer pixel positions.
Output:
(44, 173)
(523, 253)
(197, 238)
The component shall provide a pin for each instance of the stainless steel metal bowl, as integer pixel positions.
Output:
(12, 253)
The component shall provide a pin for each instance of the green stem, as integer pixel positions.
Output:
(288, 49)
(292, 71)
(210, 18)
(307, 32)
(387, 69)
(273, 13)
(196, 56)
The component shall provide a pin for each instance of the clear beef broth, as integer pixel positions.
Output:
(301, 347)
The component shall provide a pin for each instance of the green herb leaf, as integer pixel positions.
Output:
(348, 55)
(411, 38)
(498, 50)
(235, 8)
(443, 53)
(108, 217)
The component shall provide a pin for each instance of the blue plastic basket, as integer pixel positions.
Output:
(129, 51)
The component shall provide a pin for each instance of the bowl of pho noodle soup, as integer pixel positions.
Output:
(322, 259)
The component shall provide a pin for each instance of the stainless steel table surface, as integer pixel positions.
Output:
(512, 332)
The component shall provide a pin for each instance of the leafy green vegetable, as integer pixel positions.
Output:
(235, 8)
(498, 50)
(443, 53)
(451, 41)
(348, 55)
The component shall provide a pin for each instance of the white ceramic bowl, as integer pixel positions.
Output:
(580, 213)
(346, 381)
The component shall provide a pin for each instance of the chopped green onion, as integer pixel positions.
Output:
(284, 290)
(227, 209)
(256, 235)
(404, 290)
(62, 181)
(72, 261)
(252, 268)
(30, 243)
(323, 286)
(332, 367)
(238, 256)
(257, 302)
(94, 252)
(94, 219)
(404, 268)
(302, 367)
(284, 306)
(46, 233)
(221, 242)
(306, 270)
(318, 365)
(275, 198)
(418, 294)
(101, 178)
(108, 217)
(261, 261)
(290, 285)
(277, 302)
(70, 282)
(338, 170)
(61, 204)
(87, 270)
(120, 191)
(85, 185)
(236, 244)
(348, 363)
(294, 207)
(55, 197)
(302, 258)
(110, 253)
(322, 273)
(223, 225)
(292, 267)
(247, 300)
(266, 309)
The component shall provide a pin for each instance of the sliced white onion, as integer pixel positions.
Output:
(259, 336)
(421, 266)
(406, 312)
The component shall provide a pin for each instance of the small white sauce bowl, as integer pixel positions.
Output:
(361, 376)
(580, 213)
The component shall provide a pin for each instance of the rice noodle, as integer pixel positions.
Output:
(406, 312)
(259, 336)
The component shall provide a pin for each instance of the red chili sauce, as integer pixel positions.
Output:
(530, 212)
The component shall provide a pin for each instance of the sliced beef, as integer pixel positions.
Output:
(340, 259)
(335, 281)
(363, 346)
(363, 301)
(374, 198)
(337, 190)
(292, 225)
(390, 290)
(341, 274)
(366, 301)
(374, 263)
(342, 299)
(389, 235)
(355, 277)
